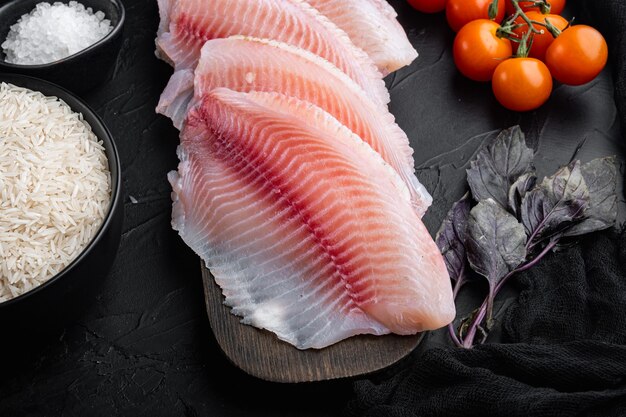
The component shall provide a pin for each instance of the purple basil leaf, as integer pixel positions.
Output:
(496, 241)
(499, 165)
(518, 191)
(496, 245)
(451, 237)
(555, 205)
(484, 181)
(601, 178)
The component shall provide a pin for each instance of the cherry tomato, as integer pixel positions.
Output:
(556, 6)
(478, 51)
(428, 6)
(522, 84)
(541, 42)
(461, 12)
(578, 55)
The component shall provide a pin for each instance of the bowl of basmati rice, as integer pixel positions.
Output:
(60, 200)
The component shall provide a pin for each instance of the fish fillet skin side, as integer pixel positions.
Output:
(295, 22)
(309, 236)
(373, 27)
(249, 64)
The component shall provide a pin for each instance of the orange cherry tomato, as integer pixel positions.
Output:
(478, 51)
(522, 84)
(556, 6)
(428, 6)
(541, 42)
(578, 55)
(461, 12)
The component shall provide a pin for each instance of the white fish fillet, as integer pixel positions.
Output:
(372, 26)
(308, 232)
(190, 23)
(248, 64)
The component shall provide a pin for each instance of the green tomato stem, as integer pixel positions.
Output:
(526, 19)
(493, 9)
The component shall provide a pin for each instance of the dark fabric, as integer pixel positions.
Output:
(565, 335)
(579, 294)
(565, 356)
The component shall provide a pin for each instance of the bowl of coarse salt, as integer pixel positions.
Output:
(70, 43)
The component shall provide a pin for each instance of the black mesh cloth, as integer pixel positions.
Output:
(565, 353)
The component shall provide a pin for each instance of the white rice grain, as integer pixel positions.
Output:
(55, 188)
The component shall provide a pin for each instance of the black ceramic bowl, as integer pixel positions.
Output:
(82, 71)
(49, 305)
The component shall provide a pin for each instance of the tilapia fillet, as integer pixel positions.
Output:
(187, 24)
(249, 64)
(308, 232)
(372, 26)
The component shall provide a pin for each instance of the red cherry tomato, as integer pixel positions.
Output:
(478, 51)
(428, 6)
(522, 84)
(578, 55)
(461, 12)
(556, 6)
(541, 42)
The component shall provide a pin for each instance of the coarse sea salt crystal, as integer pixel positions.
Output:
(51, 32)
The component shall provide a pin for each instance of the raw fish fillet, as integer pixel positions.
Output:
(248, 64)
(193, 22)
(308, 232)
(372, 26)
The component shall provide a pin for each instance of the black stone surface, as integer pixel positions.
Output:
(144, 347)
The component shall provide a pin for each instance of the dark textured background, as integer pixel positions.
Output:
(144, 348)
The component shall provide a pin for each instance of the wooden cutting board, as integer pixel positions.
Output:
(261, 354)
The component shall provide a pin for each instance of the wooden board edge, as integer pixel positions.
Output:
(261, 354)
